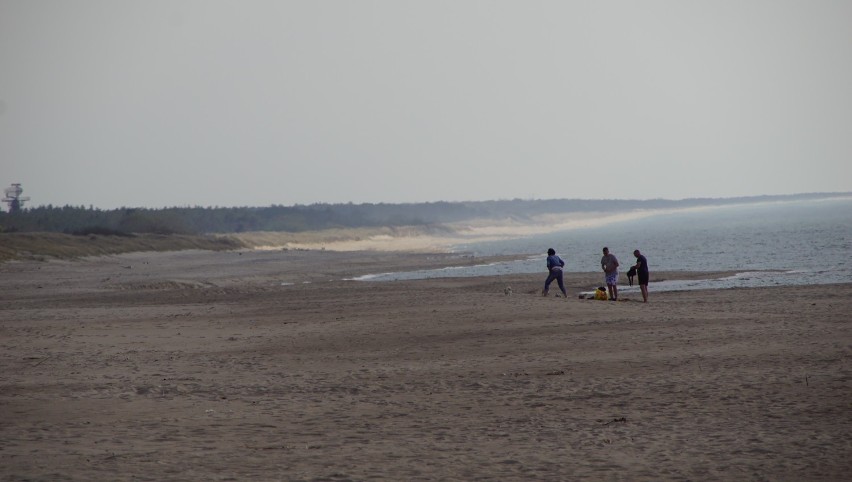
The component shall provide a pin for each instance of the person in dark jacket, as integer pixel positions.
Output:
(642, 271)
(554, 272)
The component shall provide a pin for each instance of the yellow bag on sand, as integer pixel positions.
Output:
(600, 294)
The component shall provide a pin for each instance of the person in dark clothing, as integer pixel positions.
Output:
(554, 272)
(642, 272)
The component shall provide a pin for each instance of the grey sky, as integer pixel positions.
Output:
(251, 103)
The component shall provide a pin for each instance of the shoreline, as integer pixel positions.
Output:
(441, 238)
(437, 238)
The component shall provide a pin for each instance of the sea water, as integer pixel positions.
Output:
(779, 243)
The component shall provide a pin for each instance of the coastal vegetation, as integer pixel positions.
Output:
(75, 231)
(41, 245)
(83, 221)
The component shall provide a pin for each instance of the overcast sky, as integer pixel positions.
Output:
(251, 103)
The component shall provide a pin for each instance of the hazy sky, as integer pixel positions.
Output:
(251, 103)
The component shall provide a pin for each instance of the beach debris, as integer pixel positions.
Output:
(615, 420)
(38, 358)
(507, 290)
(600, 295)
(270, 447)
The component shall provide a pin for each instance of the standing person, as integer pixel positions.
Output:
(642, 271)
(609, 263)
(554, 272)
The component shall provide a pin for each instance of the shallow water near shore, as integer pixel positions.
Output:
(770, 244)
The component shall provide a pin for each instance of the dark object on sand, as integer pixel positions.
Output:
(630, 274)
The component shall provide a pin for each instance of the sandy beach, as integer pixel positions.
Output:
(270, 365)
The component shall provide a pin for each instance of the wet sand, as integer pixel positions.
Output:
(270, 366)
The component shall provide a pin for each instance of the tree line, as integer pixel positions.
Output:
(199, 220)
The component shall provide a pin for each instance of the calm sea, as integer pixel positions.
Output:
(782, 243)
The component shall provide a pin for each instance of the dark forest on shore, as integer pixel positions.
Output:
(81, 220)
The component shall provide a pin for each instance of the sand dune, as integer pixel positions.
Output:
(267, 366)
(434, 238)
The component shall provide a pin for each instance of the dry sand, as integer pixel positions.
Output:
(269, 366)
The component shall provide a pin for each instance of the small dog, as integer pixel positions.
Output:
(630, 274)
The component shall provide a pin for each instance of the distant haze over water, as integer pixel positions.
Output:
(798, 242)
